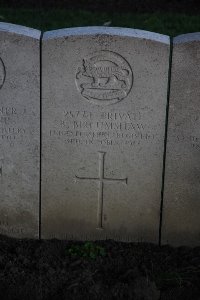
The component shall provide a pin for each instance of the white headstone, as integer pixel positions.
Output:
(104, 104)
(19, 130)
(181, 206)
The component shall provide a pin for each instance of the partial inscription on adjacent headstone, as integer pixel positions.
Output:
(19, 130)
(104, 103)
(181, 209)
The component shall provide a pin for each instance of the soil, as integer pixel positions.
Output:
(55, 269)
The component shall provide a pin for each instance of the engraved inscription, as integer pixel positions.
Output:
(2, 73)
(11, 230)
(104, 78)
(101, 180)
(10, 132)
(193, 141)
(7, 228)
(103, 128)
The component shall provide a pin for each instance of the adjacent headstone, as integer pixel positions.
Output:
(19, 130)
(103, 122)
(181, 206)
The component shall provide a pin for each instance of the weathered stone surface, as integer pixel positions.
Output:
(104, 103)
(19, 130)
(181, 207)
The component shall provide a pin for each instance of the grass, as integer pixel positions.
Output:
(165, 23)
(87, 250)
(177, 278)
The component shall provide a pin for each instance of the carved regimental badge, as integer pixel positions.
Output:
(104, 78)
(2, 73)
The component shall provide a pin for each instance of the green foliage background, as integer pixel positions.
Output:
(166, 23)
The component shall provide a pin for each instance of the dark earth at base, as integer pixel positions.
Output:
(32, 269)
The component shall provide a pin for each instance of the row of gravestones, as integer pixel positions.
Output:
(83, 124)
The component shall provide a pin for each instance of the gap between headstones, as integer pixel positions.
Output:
(165, 139)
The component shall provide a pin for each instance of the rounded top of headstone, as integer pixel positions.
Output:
(20, 30)
(117, 31)
(187, 38)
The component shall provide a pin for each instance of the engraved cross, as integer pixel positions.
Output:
(101, 180)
